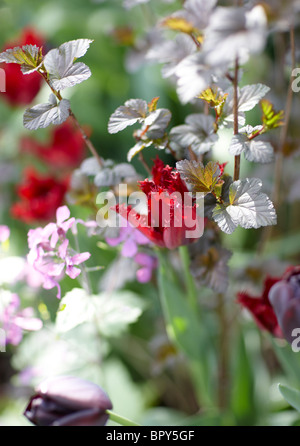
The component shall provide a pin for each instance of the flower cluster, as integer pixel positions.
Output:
(164, 227)
(50, 253)
(14, 320)
(131, 239)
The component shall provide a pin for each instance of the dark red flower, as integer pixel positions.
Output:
(285, 299)
(66, 148)
(261, 308)
(21, 89)
(170, 222)
(40, 197)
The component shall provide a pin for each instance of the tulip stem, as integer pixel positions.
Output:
(120, 420)
(189, 280)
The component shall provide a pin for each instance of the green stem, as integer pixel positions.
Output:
(189, 280)
(120, 420)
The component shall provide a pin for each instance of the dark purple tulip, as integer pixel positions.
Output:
(68, 401)
(285, 299)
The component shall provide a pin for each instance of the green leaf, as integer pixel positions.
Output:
(185, 329)
(201, 178)
(292, 396)
(271, 119)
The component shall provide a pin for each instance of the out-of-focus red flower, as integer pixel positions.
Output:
(40, 196)
(21, 89)
(169, 221)
(66, 148)
(261, 308)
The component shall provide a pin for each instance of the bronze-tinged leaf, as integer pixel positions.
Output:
(152, 105)
(29, 57)
(201, 178)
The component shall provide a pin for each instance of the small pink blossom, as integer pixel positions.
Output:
(148, 264)
(131, 238)
(50, 254)
(14, 320)
(4, 233)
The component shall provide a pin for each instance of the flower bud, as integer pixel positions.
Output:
(68, 401)
(285, 300)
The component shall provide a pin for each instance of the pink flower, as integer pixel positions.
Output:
(131, 238)
(148, 264)
(14, 320)
(50, 253)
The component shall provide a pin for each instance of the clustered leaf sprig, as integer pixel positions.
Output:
(60, 70)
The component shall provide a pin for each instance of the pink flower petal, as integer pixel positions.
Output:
(30, 324)
(79, 258)
(144, 275)
(73, 272)
(4, 233)
(129, 248)
(62, 250)
(62, 214)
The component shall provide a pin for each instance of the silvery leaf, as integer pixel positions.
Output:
(59, 63)
(238, 144)
(223, 219)
(250, 95)
(171, 52)
(90, 166)
(140, 145)
(193, 76)
(104, 178)
(198, 133)
(76, 74)
(124, 170)
(134, 110)
(76, 48)
(42, 115)
(248, 207)
(259, 151)
(158, 121)
(197, 12)
(234, 33)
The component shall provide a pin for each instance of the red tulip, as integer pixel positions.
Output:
(261, 308)
(285, 299)
(170, 220)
